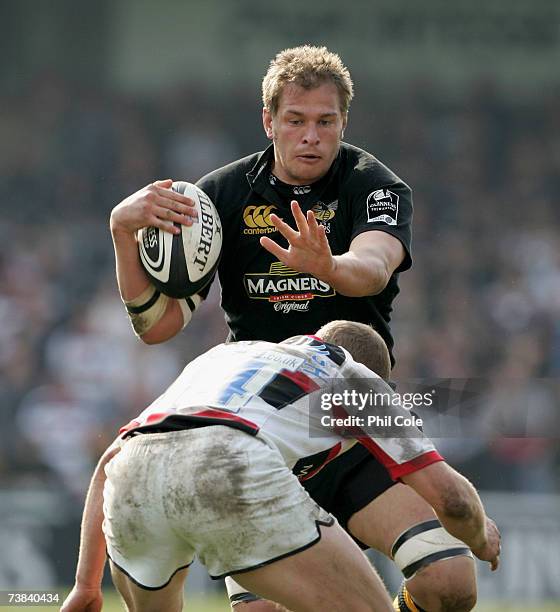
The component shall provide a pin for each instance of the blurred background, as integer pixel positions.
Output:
(461, 99)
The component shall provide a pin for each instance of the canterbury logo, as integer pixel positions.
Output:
(257, 219)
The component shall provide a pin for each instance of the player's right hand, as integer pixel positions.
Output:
(81, 599)
(155, 204)
(491, 550)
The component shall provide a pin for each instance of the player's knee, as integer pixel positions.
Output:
(457, 600)
(457, 593)
(446, 586)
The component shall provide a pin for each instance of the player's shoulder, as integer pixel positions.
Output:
(229, 185)
(314, 345)
(362, 171)
(230, 173)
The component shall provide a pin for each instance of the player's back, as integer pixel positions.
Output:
(262, 388)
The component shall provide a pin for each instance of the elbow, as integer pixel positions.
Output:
(378, 280)
(366, 283)
(458, 509)
(457, 504)
(381, 280)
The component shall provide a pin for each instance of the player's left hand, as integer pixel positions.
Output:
(308, 248)
(492, 548)
(82, 599)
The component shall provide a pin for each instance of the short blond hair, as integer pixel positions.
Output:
(362, 342)
(308, 67)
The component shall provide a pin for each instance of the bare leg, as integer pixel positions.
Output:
(332, 576)
(137, 599)
(449, 584)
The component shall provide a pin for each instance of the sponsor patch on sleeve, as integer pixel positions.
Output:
(382, 207)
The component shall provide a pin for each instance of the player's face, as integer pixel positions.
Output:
(306, 131)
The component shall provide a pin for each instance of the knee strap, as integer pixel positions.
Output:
(423, 544)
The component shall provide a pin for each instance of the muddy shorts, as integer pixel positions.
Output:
(215, 492)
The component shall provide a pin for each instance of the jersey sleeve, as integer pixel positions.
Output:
(384, 427)
(386, 208)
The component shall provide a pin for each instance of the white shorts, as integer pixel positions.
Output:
(213, 491)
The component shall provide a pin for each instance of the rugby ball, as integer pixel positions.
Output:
(180, 265)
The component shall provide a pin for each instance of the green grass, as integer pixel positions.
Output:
(219, 603)
(112, 603)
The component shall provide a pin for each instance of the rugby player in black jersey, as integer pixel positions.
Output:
(314, 230)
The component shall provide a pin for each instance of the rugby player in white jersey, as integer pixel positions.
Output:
(206, 470)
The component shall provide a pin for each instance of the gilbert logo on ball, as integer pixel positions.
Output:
(180, 265)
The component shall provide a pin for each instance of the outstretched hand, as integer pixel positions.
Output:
(308, 248)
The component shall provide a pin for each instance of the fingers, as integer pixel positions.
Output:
(300, 219)
(168, 194)
(312, 222)
(323, 240)
(169, 215)
(169, 207)
(307, 227)
(289, 234)
(274, 248)
(166, 226)
(162, 189)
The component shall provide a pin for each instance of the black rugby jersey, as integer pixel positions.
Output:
(265, 300)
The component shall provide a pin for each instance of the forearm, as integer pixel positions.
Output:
(131, 277)
(133, 283)
(454, 500)
(353, 276)
(466, 521)
(91, 558)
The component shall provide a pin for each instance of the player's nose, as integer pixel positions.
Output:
(311, 135)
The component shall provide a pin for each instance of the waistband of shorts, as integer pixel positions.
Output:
(151, 435)
(185, 425)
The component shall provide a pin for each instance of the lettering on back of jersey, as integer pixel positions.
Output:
(382, 207)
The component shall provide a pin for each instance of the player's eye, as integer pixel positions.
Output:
(326, 122)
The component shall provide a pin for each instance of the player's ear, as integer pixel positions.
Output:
(344, 124)
(267, 123)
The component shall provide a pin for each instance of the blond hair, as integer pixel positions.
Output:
(362, 342)
(308, 67)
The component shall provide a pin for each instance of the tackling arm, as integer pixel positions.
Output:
(458, 507)
(86, 593)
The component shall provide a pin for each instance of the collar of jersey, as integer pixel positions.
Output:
(258, 175)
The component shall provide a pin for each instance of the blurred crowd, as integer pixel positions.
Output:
(482, 300)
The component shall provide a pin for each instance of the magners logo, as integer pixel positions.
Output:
(257, 219)
(281, 283)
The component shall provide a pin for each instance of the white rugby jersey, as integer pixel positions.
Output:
(274, 391)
